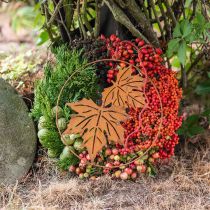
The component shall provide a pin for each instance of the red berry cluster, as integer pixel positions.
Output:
(164, 85)
(153, 130)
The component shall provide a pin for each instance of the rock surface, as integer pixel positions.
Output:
(17, 136)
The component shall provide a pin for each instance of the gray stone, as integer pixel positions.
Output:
(17, 136)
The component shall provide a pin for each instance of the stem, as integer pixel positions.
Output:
(170, 13)
(58, 5)
(183, 77)
(81, 26)
(141, 19)
(120, 16)
(157, 19)
(194, 4)
(87, 24)
(167, 25)
(69, 13)
(97, 20)
(47, 15)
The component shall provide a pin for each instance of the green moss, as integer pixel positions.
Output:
(66, 162)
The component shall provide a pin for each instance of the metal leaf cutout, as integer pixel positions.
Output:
(126, 90)
(92, 121)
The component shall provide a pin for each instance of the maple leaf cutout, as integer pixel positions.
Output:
(126, 90)
(92, 120)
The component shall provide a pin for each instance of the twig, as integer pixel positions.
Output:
(166, 23)
(63, 23)
(81, 26)
(194, 4)
(97, 19)
(170, 13)
(144, 8)
(47, 15)
(54, 13)
(183, 77)
(69, 13)
(195, 62)
(141, 19)
(84, 11)
(157, 19)
(120, 16)
(183, 9)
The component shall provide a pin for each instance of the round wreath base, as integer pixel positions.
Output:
(149, 132)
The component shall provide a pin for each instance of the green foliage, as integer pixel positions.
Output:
(65, 163)
(204, 87)
(15, 66)
(190, 127)
(82, 85)
(23, 18)
(185, 33)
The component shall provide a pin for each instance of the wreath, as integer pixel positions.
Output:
(116, 115)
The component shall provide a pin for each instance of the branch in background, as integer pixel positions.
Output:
(197, 59)
(176, 8)
(59, 20)
(84, 15)
(170, 12)
(194, 4)
(53, 16)
(120, 16)
(69, 13)
(149, 9)
(144, 8)
(97, 19)
(81, 26)
(204, 10)
(157, 19)
(64, 25)
(44, 8)
(183, 77)
(141, 19)
(183, 9)
(166, 23)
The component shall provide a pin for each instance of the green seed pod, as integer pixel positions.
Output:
(74, 136)
(43, 133)
(66, 152)
(51, 153)
(59, 110)
(42, 122)
(78, 145)
(67, 139)
(62, 124)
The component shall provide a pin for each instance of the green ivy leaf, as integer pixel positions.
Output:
(195, 130)
(203, 88)
(182, 52)
(177, 31)
(43, 37)
(187, 3)
(185, 28)
(175, 63)
(172, 46)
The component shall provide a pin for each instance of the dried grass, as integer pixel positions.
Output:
(182, 184)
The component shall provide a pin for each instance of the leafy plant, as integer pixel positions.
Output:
(204, 87)
(191, 127)
(185, 33)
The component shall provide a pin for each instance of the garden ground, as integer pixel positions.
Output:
(183, 183)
